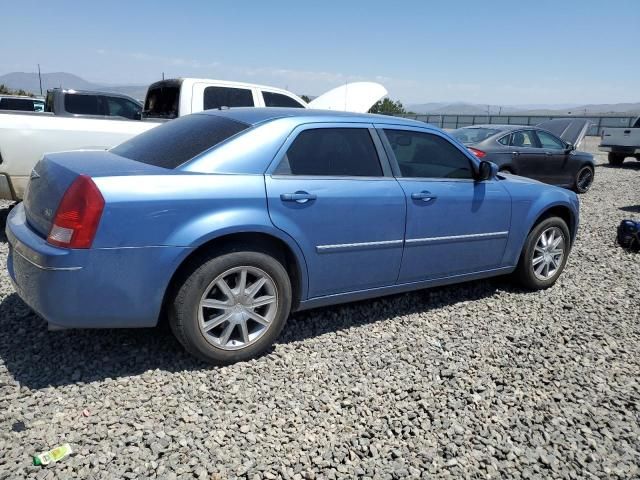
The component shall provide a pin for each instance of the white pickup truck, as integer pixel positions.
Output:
(621, 143)
(26, 136)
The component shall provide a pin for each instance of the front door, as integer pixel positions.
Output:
(556, 166)
(330, 193)
(455, 225)
(528, 157)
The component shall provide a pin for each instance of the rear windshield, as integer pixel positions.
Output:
(162, 101)
(474, 135)
(178, 141)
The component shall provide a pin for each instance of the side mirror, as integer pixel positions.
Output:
(487, 170)
(569, 148)
(137, 115)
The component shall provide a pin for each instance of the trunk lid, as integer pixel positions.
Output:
(53, 175)
(571, 130)
(356, 97)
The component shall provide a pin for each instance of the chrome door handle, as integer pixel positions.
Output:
(515, 154)
(548, 154)
(424, 196)
(299, 197)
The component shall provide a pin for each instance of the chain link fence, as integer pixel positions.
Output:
(457, 121)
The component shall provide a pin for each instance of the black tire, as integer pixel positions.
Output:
(616, 159)
(184, 310)
(525, 273)
(584, 179)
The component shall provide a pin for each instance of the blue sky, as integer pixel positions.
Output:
(497, 52)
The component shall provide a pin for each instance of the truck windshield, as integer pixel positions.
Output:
(163, 100)
(178, 141)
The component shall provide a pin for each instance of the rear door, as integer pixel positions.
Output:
(455, 224)
(331, 189)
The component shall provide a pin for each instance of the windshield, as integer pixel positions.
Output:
(473, 135)
(178, 141)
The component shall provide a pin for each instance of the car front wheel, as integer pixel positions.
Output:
(584, 179)
(231, 307)
(544, 255)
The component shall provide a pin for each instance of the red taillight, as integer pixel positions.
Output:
(477, 153)
(78, 215)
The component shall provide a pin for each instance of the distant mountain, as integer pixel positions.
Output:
(30, 83)
(461, 108)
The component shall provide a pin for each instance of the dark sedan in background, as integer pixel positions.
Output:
(545, 152)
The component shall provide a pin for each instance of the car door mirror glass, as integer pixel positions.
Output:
(487, 170)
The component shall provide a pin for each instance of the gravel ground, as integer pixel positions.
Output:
(480, 380)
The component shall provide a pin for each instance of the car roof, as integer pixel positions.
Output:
(503, 127)
(253, 116)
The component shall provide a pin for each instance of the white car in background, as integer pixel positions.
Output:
(26, 136)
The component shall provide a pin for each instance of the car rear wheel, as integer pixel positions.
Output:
(544, 255)
(584, 179)
(231, 307)
(616, 159)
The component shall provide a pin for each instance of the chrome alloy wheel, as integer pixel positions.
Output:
(548, 253)
(585, 179)
(238, 307)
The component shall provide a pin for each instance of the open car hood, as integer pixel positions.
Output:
(571, 130)
(356, 97)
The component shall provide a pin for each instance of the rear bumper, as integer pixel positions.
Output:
(94, 288)
(619, 149)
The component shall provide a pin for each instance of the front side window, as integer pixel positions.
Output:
(272, 99)
(423, 155)
(335, 152)
(83, 104)
(525, 138)
(549, 141)
(121, 107)
(217, 97)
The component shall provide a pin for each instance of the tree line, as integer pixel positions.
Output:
(4, 90)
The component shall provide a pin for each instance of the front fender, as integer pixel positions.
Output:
(530, 201)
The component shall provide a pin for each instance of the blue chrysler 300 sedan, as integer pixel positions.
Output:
(226, 221)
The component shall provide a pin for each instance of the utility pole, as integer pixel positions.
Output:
(40, 79)
(500, 111)
(162, 75)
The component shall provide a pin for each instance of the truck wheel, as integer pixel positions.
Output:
(232, 307)
(616, 159)
(584, 179)
(544, 254)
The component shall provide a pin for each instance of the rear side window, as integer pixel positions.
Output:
(335, 152)
(178, 141)
(22, 104)
(216, 97)
(524, 138)
(83, 104)
(505, 140)
(423, 155)
(272, 99)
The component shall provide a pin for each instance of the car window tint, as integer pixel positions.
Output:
(332, 152)
(423, 155)
(504, 140)
(272, 99)
(82, 104)
(22, 104)
(174, 143)
(121, 107)
(216, 97)
(549, 141)
(524, 138)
